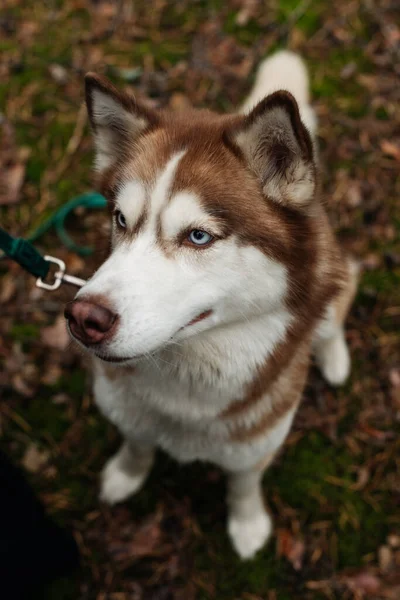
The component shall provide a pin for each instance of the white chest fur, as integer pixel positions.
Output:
(173, 399)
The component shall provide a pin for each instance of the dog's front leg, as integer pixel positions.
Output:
(125, 473)
(249, 525)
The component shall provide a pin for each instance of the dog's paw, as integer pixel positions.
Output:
(116, 484)
(334, 360)
(249, 535)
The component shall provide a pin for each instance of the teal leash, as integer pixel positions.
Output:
(89, 200)
(26, 255)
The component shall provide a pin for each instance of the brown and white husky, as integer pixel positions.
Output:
(224, 276)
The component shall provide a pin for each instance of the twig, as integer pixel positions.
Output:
(72, 147)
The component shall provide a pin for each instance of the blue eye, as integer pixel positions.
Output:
(120, 219)
(199, 237)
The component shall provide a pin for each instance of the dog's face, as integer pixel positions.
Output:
(203, 213)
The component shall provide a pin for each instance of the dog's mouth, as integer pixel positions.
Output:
(197, 319)
(122, 359)
(116, 359)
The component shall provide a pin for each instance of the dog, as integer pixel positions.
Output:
(224, 276)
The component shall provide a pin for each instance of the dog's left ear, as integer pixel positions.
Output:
(117, 119)
(278, 149)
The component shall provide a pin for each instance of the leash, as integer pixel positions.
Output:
(30, 259)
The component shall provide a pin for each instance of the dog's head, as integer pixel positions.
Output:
(205, 212)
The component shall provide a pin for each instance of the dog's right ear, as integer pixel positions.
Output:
(117, 119)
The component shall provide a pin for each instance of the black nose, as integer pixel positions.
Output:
(89, 322)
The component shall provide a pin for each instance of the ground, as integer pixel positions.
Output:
(335, 489)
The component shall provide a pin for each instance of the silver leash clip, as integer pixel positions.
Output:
(60, 276)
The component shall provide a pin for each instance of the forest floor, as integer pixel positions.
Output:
(334, 490)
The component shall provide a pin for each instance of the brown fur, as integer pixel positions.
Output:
(283, 387)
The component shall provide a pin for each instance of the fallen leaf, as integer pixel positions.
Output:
(394, 540)
(22, 386)
(385, 558)
(390, 149)
(354, 196)
(291, 548)
(365, 582)
(58, 73)
(348, 70)
(372, 261)
(75, 264)
(394, 377)
(12, 178)
(60, 399)
(179, 101)
(51, 375)
(56, 336)
(375, 433)
(34, 459)
(12, 164)
(247, 12)
(141, 541)
(8, 288)
(27, 31)
(363, 476)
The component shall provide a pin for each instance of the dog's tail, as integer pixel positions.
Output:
(284, 70)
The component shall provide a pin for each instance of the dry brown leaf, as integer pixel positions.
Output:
(291, 548)
(23, 387)
(394, 377)
(142, 541)
(8, 288)
(56, 336)
(394, 540)
(354, 197)
(58, 73)
(247, 12)
(12, 165)
(146, 539)
(179, 101)
(75, 264)
(51, 375)
(385, 558)
(372, 261)
(363, 476)
(27, 30)
(349, 70)
(363, 581)
(390, 149)
(12, 178)
(34, 459)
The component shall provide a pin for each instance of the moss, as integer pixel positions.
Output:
(353, 99)
(308, 22)
(382, 114)
(35, 169)
(6, 45)
(74, 384)
(45, 418)
(314, 478)
(381, 280)
(245, 35)
(23, 332)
